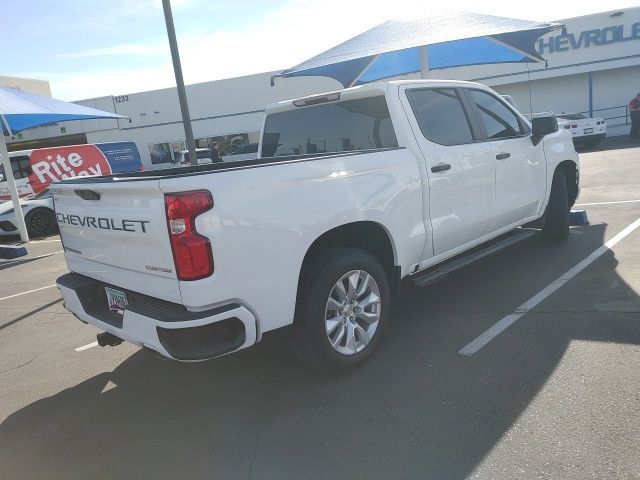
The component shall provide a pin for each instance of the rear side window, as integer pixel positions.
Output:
(361, 124)
(498, 120)
(441, 116)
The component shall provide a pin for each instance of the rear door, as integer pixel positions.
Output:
(117, 232)
(521, 168)
(461, 186)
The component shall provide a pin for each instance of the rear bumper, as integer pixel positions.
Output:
(168, 328)
(596, 137)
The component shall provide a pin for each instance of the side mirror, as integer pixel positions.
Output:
(541, 126)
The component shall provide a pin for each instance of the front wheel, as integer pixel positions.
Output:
(556, 217)
(41, 222)
(342, 310)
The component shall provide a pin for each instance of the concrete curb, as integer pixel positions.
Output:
(578, 218)
(12, 251)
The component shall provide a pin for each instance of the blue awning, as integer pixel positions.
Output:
(452, 40)
(22, 110)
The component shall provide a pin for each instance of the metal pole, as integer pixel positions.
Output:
(182, 95)
(4, 154)
(424, 62)
(364, 70)
(590, 95)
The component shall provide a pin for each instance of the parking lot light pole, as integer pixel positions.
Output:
(177, 70)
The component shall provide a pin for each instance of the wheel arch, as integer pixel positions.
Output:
(36, 208)
(571, 175)
(369, 236)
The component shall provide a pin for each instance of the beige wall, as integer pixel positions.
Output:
(39, 87)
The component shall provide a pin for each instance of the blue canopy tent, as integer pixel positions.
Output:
(20, 110)
(403, 46)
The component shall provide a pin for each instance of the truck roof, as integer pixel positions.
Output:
(360, 91)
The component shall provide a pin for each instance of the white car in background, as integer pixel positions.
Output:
(39, 216)
(586, 131)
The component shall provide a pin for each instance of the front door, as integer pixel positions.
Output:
(521, 167)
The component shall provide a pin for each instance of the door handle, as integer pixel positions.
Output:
(441, 167)
(503, 156)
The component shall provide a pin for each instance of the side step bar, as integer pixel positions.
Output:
(431, 275)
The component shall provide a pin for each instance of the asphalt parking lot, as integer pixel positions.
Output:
(554, 395)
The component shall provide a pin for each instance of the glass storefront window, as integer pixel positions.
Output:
(160, 153)
(221, 146)
(176, 147)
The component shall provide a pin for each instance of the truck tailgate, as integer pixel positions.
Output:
(117, 233)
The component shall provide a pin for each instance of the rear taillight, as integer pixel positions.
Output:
(567, 126)
(191, 251)
(575, 125)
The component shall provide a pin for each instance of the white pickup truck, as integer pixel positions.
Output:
(352, 191)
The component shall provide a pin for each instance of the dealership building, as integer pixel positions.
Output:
(593, 67)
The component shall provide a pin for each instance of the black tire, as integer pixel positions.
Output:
(556, 217)
(310, 340)
(41, 222)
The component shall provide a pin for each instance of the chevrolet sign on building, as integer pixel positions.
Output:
(592, 67)
(588, 38)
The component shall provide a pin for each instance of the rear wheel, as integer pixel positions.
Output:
(343, 309)
(41, 222)
(556, 217)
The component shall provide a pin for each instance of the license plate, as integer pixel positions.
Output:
(116, 300)
(588, 130)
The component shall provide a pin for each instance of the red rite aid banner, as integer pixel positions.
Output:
(65, 162)
(57, 163)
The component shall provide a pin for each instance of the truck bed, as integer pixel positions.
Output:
(178, 172)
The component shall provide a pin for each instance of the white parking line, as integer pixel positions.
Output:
(523, 309)
(86, 347)
(35, 241)
(46, 241)
(605, 203)
(27, 292)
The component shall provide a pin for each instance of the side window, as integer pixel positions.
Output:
(498, 120)
(441, 116)
(20, 166)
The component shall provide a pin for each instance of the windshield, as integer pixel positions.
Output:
(46, 193)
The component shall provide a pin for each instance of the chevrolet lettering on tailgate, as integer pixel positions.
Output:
(104, 223)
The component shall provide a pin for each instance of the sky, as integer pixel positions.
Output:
(92, 48)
